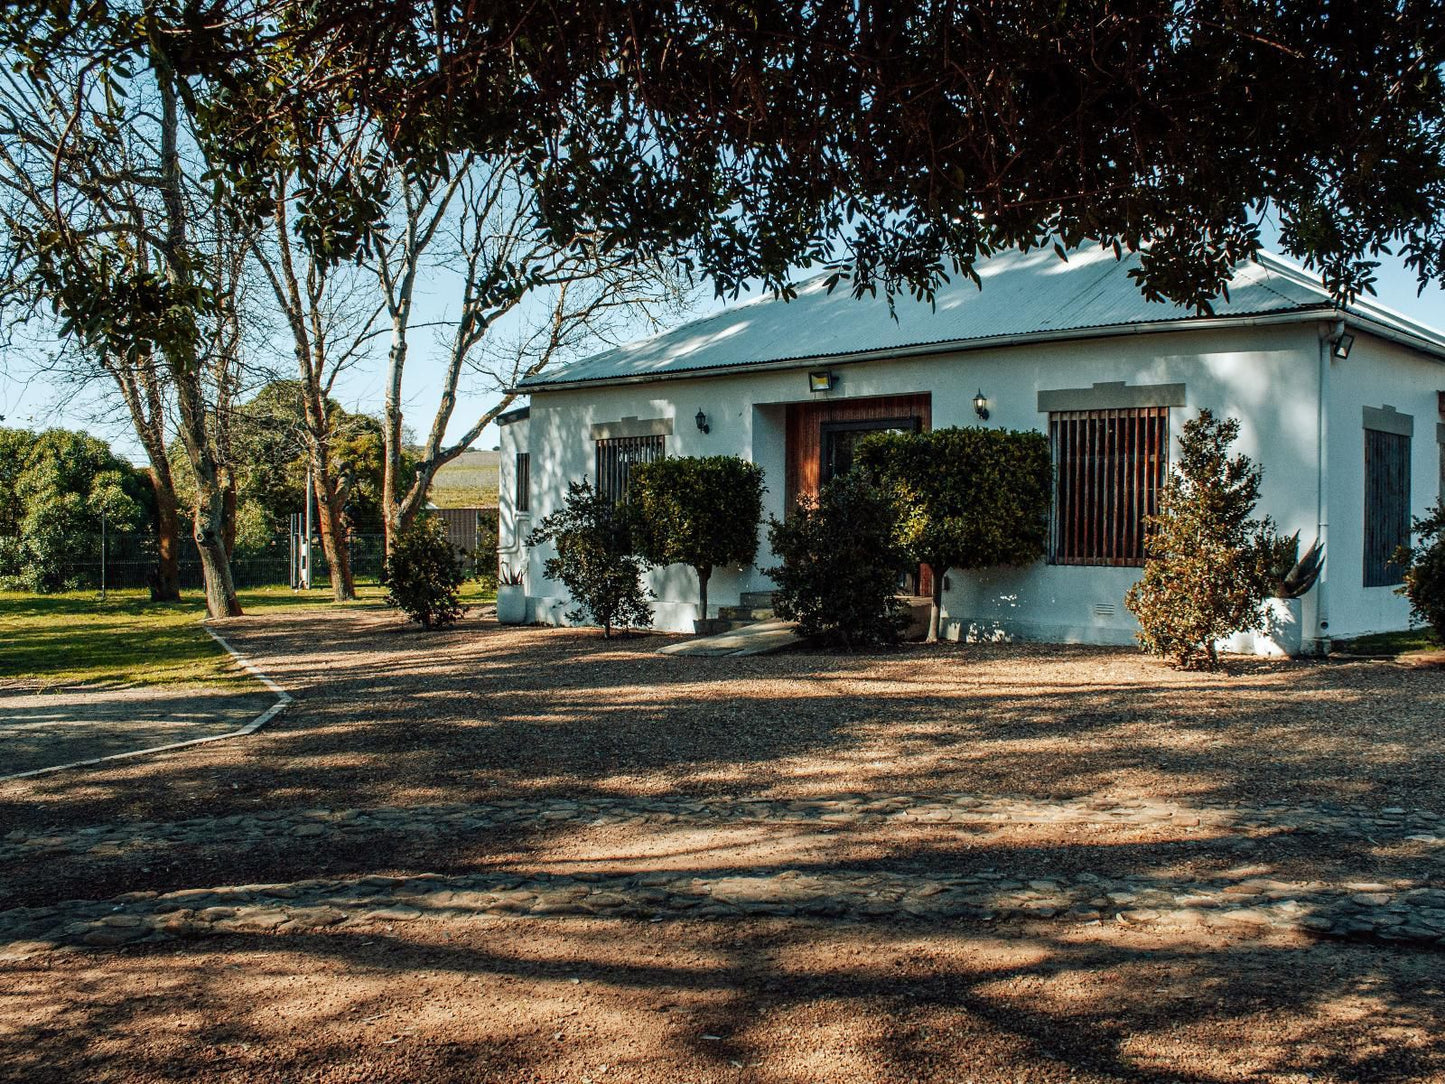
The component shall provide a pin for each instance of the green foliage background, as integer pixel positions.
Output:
(54, 486)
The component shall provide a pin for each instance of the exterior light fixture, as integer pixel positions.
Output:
(980, 405)
(1342, 342)
(820, 381)
(701, 420)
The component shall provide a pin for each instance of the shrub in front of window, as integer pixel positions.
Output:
(1208, 564)
(424, 574)
(841, 563)
(1425, 571)
(967, 498)
(596, 560)
(699, 511)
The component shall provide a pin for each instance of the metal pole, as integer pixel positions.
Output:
(308, 528)
(102, 553)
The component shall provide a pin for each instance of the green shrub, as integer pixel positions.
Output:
(1208, 565)
(702, 512)
(1425, 571)
(967, 498)
(595, 560)
(423, 575)
(841, 563)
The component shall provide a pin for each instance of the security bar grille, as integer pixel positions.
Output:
(615, 457)
(1108, 469)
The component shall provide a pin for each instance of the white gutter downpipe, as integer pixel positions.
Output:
(1328, 333)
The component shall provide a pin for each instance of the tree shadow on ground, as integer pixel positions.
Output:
(699, 1000)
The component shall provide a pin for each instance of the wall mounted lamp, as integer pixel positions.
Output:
(980, 405)
(701, 420)
(1342, 343)
(822, 380)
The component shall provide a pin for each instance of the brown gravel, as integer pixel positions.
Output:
(388, 717)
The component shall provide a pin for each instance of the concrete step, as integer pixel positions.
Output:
(760, 638)
(745, 613)
(756, 600)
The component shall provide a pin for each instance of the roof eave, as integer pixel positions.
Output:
(953, 346)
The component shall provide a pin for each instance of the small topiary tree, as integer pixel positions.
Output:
(968, 498)
(841, 563)
(702, 512)
(1424, 582)
(1208, 566)
(423, 575)
(596, 559)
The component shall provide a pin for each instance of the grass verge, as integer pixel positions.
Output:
(125, 639)
(1389, 644)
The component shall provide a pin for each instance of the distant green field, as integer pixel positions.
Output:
(469, 481)
(74, 638)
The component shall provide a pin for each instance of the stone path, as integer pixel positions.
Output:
(43, 730)
(1395, 910)
(1337, 821)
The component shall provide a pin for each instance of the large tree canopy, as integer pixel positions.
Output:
(896, 141)
(901, 140)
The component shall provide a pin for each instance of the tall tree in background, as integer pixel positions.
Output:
(127, 248)
(525, 301)
(330, 313)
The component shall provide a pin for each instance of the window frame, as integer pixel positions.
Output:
(617, 474)
(1379, 538)
(1132, 460)
(522, 497)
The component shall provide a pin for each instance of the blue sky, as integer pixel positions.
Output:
(31, 399)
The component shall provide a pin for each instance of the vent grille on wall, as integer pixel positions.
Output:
(1103, 609)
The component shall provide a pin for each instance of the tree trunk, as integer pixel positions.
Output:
(333, 531)
(210, 532)
(935, 612)
(703, 575)
(229, 501)
(166, 587)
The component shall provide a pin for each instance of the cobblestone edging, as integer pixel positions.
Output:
(1335, 821)
(1397, 911)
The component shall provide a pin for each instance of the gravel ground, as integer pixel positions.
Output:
(390, 720)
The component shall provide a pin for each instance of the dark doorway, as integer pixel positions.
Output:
(839, 439)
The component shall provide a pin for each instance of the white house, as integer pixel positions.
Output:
(1343, 408)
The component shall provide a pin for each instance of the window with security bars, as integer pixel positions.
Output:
(1387, 506)
(1108, 469)
(524, 482)
(615, 457)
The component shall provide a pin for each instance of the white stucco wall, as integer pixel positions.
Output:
(1267, 376)
(1376, 374)
(512, 527)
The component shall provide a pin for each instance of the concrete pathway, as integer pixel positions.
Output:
(45, 730)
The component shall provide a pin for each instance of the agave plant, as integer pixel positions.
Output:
(1292, 574)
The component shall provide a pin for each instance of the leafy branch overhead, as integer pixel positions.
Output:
(899, 143)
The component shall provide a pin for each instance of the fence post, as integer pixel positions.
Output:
(102, 553)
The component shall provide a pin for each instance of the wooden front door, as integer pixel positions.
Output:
(812, 459)
(821, 437)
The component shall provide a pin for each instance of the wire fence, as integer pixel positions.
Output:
(130, 559)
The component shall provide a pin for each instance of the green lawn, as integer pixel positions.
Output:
(1390, 643)
(126, 639)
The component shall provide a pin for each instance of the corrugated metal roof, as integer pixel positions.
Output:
(1023, 295)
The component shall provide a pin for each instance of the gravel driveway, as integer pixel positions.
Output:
(528, 854)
